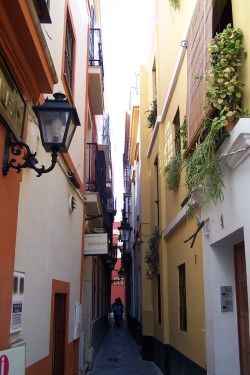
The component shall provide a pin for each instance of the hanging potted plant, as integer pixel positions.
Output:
(172, 170)
(224, 95)
(175, 4)
(224, 86)
(152, 114)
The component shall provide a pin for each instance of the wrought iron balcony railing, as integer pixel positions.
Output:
(111, 206)
(95, 48)
(96, 173)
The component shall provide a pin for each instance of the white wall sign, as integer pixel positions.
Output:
(12, 361)
(78, 321)
(96, 244)
(16, 316)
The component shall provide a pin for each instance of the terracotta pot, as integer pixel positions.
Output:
(230, 125)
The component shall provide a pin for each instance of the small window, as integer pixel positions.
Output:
(177, 137)
(182, 297)
(154, 81)
(69, 55)
(42, 8)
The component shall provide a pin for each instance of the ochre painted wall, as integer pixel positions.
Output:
(9, 195)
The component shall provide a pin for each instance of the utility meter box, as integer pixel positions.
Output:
(17, 303)
(226, 298)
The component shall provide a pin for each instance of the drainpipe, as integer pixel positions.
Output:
(42, 39)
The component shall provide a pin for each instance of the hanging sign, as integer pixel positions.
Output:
(96, 244)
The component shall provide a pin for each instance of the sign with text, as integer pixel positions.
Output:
(16, 316)
(12, 104)
(12, 361)
(96, 244)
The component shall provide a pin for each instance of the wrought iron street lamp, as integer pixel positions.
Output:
(125, 229)
(57, 123)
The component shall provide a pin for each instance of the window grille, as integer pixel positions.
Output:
(182, 298)
(69, 55)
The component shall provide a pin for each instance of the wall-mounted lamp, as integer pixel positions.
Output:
(57, 123)
(125, 229)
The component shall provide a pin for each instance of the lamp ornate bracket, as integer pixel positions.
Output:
(29, 159)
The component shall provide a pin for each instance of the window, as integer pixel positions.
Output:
(182, 297)
(156, 174)
(154, 81)
(69, 55)
(43, 8)
(159, 297)
(177, 137)
(222, 15)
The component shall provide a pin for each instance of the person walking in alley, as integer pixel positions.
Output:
(117, 309)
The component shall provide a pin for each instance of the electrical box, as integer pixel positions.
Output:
(78, 321)
(17, 303)
(226, 298)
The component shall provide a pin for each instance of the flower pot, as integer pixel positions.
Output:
(230, 125)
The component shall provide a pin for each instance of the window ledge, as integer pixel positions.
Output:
(234, 150)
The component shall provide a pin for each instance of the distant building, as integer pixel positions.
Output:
(118, 275)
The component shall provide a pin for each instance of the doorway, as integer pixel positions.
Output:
(59, 334)
(242, 307)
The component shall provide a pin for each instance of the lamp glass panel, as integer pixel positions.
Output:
(70, 133)
(124, 235)
(53, 126)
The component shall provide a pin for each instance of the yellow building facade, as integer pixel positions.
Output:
(173, 308)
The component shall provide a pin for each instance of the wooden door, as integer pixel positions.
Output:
(58, 357)
(242, 308)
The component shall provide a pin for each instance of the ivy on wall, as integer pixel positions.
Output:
(152, 254)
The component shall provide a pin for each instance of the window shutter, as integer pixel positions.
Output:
(198, 63)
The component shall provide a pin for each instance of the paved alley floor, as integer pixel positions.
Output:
(119, 355)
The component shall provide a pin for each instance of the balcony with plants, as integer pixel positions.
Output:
(204, 168)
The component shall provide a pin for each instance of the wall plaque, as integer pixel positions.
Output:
(12, 104)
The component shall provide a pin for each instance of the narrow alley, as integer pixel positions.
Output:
(119, 355)
(124, 187)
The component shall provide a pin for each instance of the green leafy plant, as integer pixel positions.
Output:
(173, 172)
(224, 95)
(152, 254)
(183, 133)
(203, 170)
(175, 4)
(152, 114)
(224, 86)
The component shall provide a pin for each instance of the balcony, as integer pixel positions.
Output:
(104, 149)
(95, 72)
(112, 257)
(98, 202)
